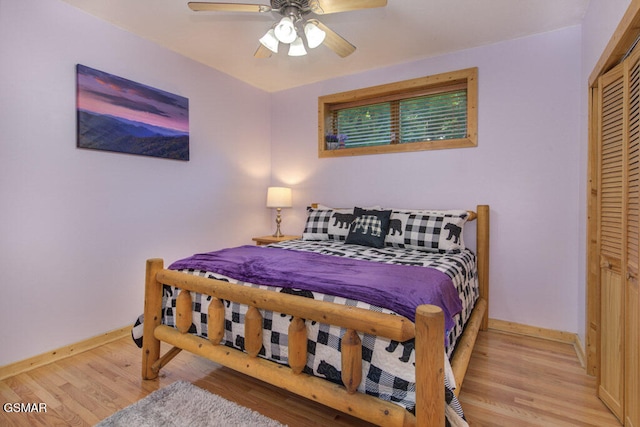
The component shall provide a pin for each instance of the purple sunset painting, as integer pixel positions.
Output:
(116, 114)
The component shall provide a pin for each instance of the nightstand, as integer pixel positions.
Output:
(265, 240)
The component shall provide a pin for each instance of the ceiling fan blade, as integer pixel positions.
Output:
(227, 7)
(334, 41)
(262, 52)
(323, 7)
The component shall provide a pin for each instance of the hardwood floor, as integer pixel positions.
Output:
(515, 380)
(512, 381)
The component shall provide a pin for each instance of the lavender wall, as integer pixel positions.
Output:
(526, 166)
(76, 225)
(530, 164)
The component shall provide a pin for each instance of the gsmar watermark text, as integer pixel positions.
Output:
(24, 407)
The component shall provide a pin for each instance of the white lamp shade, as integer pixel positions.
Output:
(315, 35)
(297, 48)
(270, 41)
(285, 31)
(278, 197)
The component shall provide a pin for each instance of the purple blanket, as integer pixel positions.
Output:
(398, 288)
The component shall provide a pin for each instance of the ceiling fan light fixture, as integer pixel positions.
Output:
(297, 48)
(285, 31)
(315, 35)
(270, 41)
(293, 25)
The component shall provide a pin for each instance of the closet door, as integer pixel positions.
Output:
(632, 296)
(611, 240)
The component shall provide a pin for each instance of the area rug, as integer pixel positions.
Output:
(183, 404)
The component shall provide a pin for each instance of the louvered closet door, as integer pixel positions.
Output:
(632, 296)
(611, 239)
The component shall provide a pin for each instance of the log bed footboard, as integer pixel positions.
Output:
(428, 331)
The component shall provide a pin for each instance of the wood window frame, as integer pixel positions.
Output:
(439, 83)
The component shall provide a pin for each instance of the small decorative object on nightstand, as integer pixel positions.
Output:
(278, 197)
(265, 240)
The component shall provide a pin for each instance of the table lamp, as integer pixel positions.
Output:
(278, 197)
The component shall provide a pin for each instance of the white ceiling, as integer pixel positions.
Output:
(404, 30)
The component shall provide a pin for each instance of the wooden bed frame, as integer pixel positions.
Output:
(428, 331)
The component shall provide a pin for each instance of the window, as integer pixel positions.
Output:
(427, 113)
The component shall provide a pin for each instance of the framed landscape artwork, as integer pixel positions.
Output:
(116, 114)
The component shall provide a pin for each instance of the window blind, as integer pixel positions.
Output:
(433, 117)
(439, 116)
(365, 126)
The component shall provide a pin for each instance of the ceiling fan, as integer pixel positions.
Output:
(294, 22)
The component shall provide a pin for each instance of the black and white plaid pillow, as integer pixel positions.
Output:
(433, 231)
(317, 225)
(328, 224)
(340, 223)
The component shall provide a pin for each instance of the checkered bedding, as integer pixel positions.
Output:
(388, 371)
(459, 265)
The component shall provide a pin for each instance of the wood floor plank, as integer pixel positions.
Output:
(524, 381)
(511, 381)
